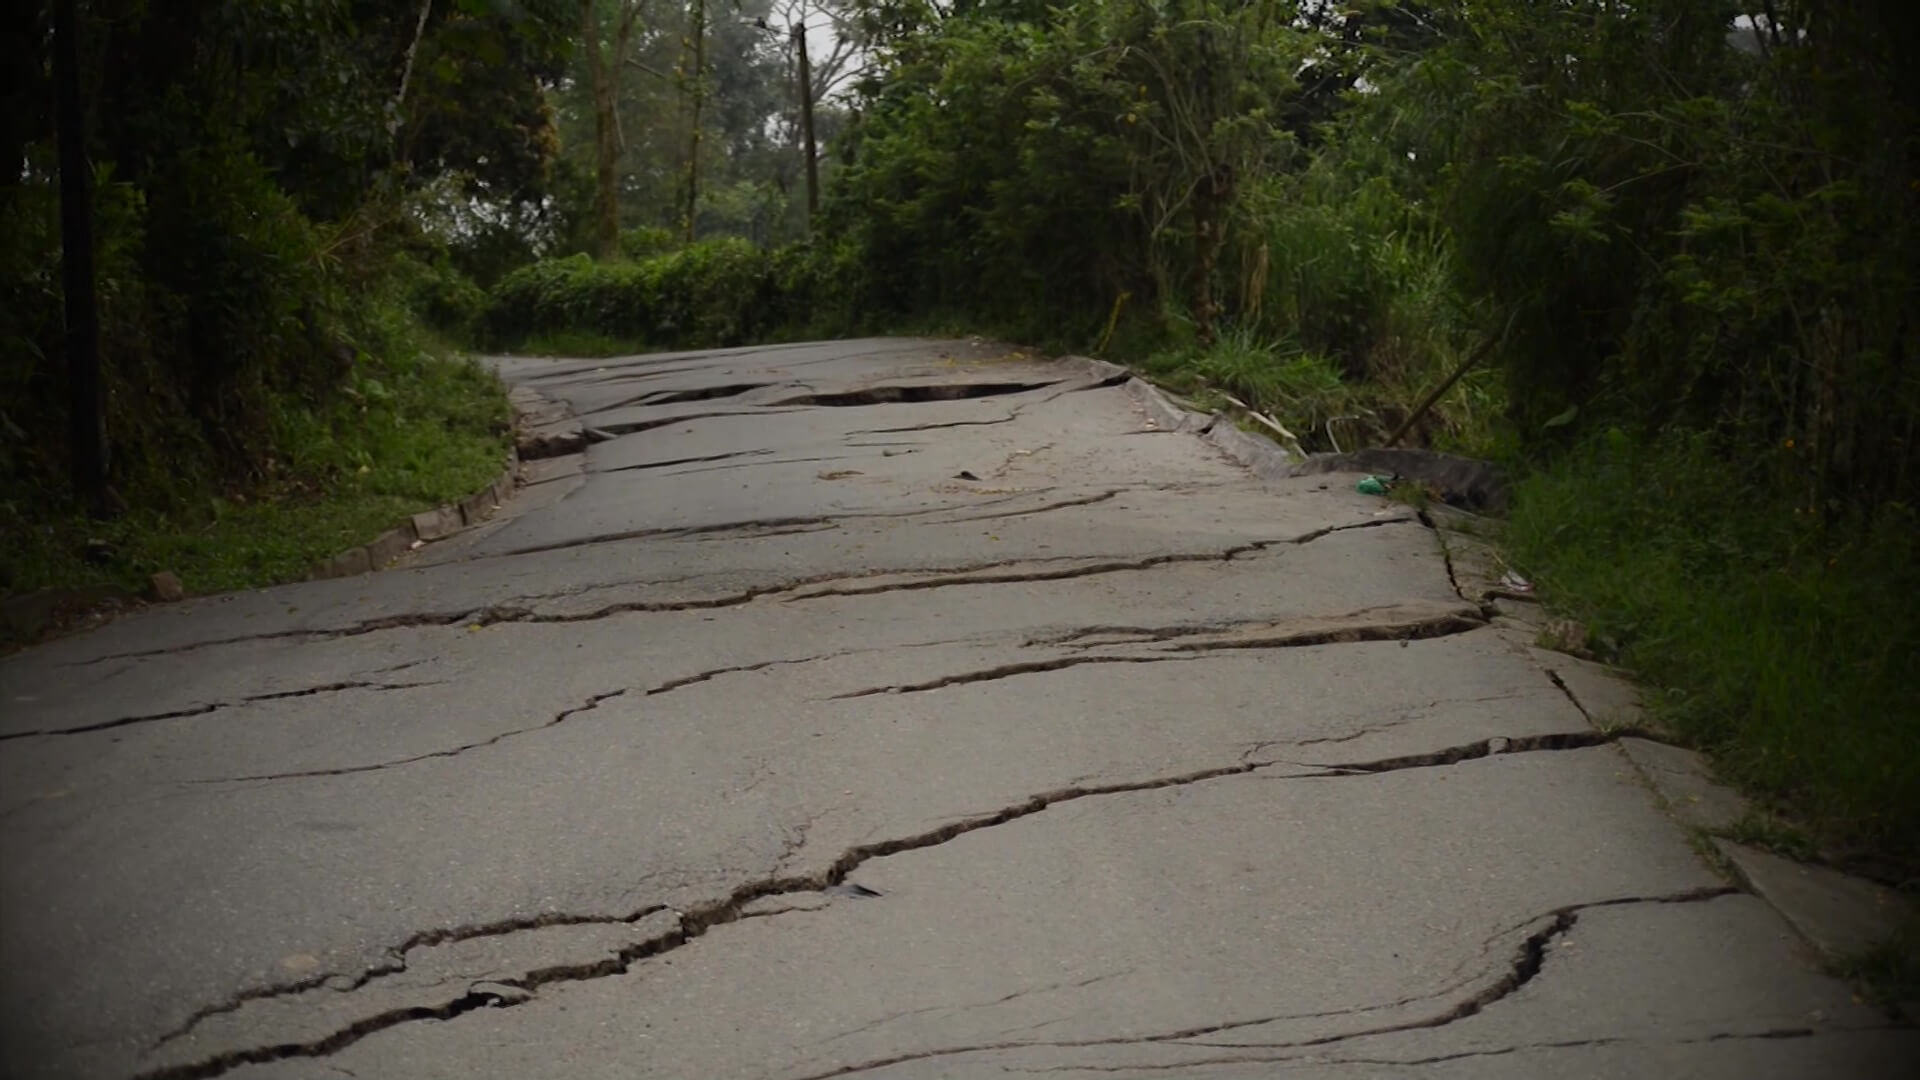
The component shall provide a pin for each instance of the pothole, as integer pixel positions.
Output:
(703, 393)
(892, 395)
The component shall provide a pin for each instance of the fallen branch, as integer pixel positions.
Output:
(1446, 384)
(1293, 441)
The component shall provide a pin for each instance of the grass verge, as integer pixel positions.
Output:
(1306, 392)
(407, 433)
(1889, 973)
(1782, 645)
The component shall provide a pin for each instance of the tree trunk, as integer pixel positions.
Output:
(396, 110)
(699, 76)
(603, 73)
(1209, 237)
(606, 152)
(86, 419)
(806, 124)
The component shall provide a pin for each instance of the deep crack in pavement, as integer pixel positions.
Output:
(1020, 744)
(695, 922)
(979, 574)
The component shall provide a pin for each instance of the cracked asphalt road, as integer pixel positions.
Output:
(759, 743)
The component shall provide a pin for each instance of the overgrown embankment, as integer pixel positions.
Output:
(262, 179)
(273, 402)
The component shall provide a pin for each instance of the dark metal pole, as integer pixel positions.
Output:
(87, 428)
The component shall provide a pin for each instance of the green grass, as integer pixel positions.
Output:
(405, 434)
(1889, 973)
(1782, 645)
(1769, 833)
(1305, 392)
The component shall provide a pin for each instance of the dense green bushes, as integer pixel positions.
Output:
(271, 215)
(1735, 258)
(715, 293)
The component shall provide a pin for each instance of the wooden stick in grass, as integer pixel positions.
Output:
(1446, 384)
(1269, 421)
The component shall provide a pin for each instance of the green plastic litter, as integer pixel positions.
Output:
(1372, 485)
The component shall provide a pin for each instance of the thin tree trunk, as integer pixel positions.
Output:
(396, 111)
(699, 76)
(606, 238)
(806, 124)
(86, 419)
(1472, 360)
(603, 73)
(1210, 236)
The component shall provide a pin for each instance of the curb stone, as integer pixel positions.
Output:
(1839, 915)
(1682, 779)
(423, 527)
(1265, 458)
(1163, 411)
(25, 617)
(542, 428)
(1478, 484)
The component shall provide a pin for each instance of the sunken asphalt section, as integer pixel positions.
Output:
(760, 743)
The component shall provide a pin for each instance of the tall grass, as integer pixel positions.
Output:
(1783, 644)
(1347, 313)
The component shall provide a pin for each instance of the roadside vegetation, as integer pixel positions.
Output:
(410, 430)
(273, 383)
(1666, 246)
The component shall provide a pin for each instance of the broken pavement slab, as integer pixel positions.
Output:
(543, 427)
(1685, 783)
(1842, 916)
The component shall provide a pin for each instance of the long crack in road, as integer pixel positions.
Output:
(882, 709)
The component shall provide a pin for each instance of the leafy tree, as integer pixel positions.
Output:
(254, 168)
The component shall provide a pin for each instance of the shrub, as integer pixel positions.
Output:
(647, 241)
(446, 299)
(715, 293)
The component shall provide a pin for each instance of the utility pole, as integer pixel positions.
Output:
(806, 123)
(86, 420)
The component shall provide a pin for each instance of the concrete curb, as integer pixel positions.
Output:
(424, 527)
(1477, 484)
(1162, 412)
(542, 428)
(1266, 459)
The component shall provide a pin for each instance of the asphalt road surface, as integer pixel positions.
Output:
(889, 709)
